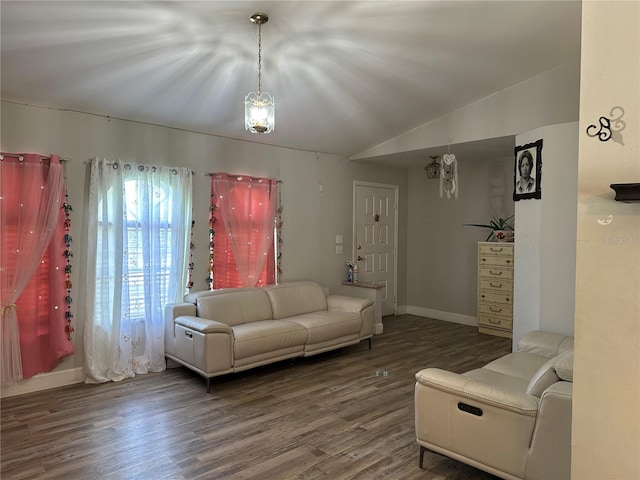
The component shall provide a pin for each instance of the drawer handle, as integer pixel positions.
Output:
(508, 261)
(495, 273)
(495, 310)
(507, 299)
(188, 334)
(482, 295)
(495, 285)
(495, 322)
(496, 249)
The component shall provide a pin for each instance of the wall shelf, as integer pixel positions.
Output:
(627, 192)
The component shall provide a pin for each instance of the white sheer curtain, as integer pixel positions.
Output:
(139, 226)
(30, 198)
(247, 206)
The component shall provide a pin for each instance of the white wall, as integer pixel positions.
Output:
(312, 215)
(545, 240)
(442, 253)
(549, 98)
(606, 401)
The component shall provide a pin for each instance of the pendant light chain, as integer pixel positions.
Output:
(259, 59)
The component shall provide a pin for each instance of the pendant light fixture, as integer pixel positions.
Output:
(433, 169)
(259, 107)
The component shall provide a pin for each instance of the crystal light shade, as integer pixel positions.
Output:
(259, 112)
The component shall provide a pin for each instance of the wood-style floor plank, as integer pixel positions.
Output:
(346, 414)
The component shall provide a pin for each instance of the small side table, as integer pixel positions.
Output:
(372, 291)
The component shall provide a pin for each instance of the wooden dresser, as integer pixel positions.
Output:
(495, 288)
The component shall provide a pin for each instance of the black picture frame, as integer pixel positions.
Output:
(523, 189)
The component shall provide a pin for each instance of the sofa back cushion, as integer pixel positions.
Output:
(235, 307)
(545, 344)
(296, 298)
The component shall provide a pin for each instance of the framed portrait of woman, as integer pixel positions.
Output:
(527, 174)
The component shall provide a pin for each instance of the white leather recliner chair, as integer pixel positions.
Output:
(511, 418)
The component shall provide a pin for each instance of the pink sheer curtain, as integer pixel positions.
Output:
(33, 326)
(246, 206)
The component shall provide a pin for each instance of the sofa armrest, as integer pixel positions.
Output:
(347, 304)
(203, 325)
(549, 455)
(171, 312)
(478, 392)
(174, 310)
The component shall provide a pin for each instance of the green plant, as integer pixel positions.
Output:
(494, 225)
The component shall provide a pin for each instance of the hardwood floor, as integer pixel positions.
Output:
(346, 414)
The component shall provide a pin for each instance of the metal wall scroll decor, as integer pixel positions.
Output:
(609, 128)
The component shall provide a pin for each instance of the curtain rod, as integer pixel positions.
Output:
(88, 162)
(211, 174)
(21, 157)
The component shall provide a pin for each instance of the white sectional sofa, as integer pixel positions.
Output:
(231, 330)
(511, 418)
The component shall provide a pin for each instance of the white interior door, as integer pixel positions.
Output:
(375, 232)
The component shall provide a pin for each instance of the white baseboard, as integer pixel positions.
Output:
(44, 381)
(439, 315)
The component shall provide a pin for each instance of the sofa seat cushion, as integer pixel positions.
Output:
(256, 338)
(518, 364)
(499, 381)
(324, 326)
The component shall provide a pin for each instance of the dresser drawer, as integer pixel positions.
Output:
(495, 297)
(495, 309)
(496, 272)
(496, 284)
(494, 321)
(500, 261)
(496, 249)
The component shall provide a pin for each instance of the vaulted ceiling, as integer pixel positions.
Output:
(346, 75)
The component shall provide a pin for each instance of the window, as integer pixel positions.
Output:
(33, 277)
(138, 251)
(243, 231)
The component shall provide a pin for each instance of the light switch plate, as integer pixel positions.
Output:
(338, 238)
(338, 249)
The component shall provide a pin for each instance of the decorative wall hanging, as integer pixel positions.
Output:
(609, 128)
(192, 247)
(526, 183)
(449, 185)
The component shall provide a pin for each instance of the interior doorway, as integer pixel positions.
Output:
(375, 233)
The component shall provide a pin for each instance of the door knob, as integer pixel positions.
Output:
(360, 258)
